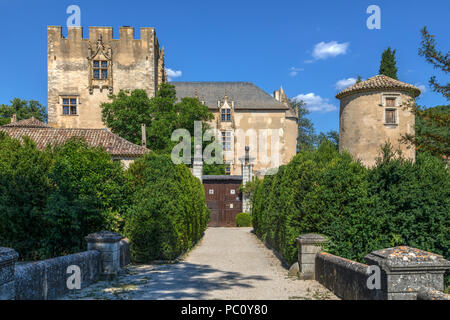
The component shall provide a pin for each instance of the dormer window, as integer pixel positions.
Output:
(226, 114)
(100, 69)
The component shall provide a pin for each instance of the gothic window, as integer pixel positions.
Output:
(100, 69)
(226, 114)
(390, 116)
(69, 106)
(226, 140)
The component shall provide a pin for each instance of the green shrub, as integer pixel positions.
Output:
(169, 213)
(51, 199)
(243, 220)
(359, 210)
(24, 189)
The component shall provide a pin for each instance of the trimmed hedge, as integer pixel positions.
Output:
(243, 220)
(169, 213)
(51, 199)
(360, 210)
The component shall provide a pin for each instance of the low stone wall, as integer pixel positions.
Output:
(398, 273)
(426, 293)
(347, 279)
(47, 279)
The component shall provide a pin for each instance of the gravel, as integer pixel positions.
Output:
(228, 263)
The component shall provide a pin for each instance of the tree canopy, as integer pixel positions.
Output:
(23, 109)
(388, 64)
(438, 59)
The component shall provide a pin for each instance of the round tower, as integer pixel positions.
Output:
(374, 112)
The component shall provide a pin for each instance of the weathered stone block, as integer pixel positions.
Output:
(308, 246)
(407, 269)
(108, 244)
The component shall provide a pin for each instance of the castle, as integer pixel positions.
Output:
(82, 73)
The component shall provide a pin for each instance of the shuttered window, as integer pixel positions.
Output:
(390, 117)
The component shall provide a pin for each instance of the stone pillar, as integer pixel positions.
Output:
(308, 246)
(108, 243)
(405, 270)
(247, 175)
(197, 167)
(8, 258)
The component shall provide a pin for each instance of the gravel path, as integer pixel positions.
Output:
(228, 263)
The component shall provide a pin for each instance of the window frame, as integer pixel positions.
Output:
(72, 107)
(101, 68)
(225, 114)
(226, 140)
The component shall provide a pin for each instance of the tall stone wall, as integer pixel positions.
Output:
(133, 64)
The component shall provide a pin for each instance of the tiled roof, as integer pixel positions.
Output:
(245, 95)
(44, 135)
(378, 82)
(28, 123)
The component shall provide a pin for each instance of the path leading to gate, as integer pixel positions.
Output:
(228, 263)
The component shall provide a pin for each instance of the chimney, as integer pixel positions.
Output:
(13, 118)
(144, 135)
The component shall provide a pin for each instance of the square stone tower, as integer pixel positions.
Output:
(82, 73)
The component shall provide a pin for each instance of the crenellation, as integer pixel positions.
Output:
(89, 70)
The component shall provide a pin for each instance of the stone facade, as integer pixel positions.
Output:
(83, 72)
(374, 112)
(265, 123)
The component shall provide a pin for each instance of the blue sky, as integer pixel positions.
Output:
(305, 46)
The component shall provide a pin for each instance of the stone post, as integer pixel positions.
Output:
(247, 175)
(405, 270)
(8, 258)
(197, 167)
(309, 245)
(108, 243)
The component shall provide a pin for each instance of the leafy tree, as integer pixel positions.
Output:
(91, 194)
(331, 136)
(388, 64)
(432, 130)
(161, 115)
(24, 189)
(126, 113)
(306, 135)
(438, 59)
(23, 109)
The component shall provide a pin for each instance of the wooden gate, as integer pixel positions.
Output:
(223, 198)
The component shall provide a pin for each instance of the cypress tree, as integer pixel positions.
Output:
(388, 64)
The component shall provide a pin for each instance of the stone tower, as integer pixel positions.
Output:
(374, 112)
(82, 73)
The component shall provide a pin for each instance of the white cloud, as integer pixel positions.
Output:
(173, 73)
(294, 71)
(316, 103)
(344, 83)
(421, 87)
(325, 50)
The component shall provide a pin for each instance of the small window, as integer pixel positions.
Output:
(69, 106)
(231, 206)
(232, 191)
(100, 69)
(211, 191)
(226, 114)
(390, 116)
(390, 102)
